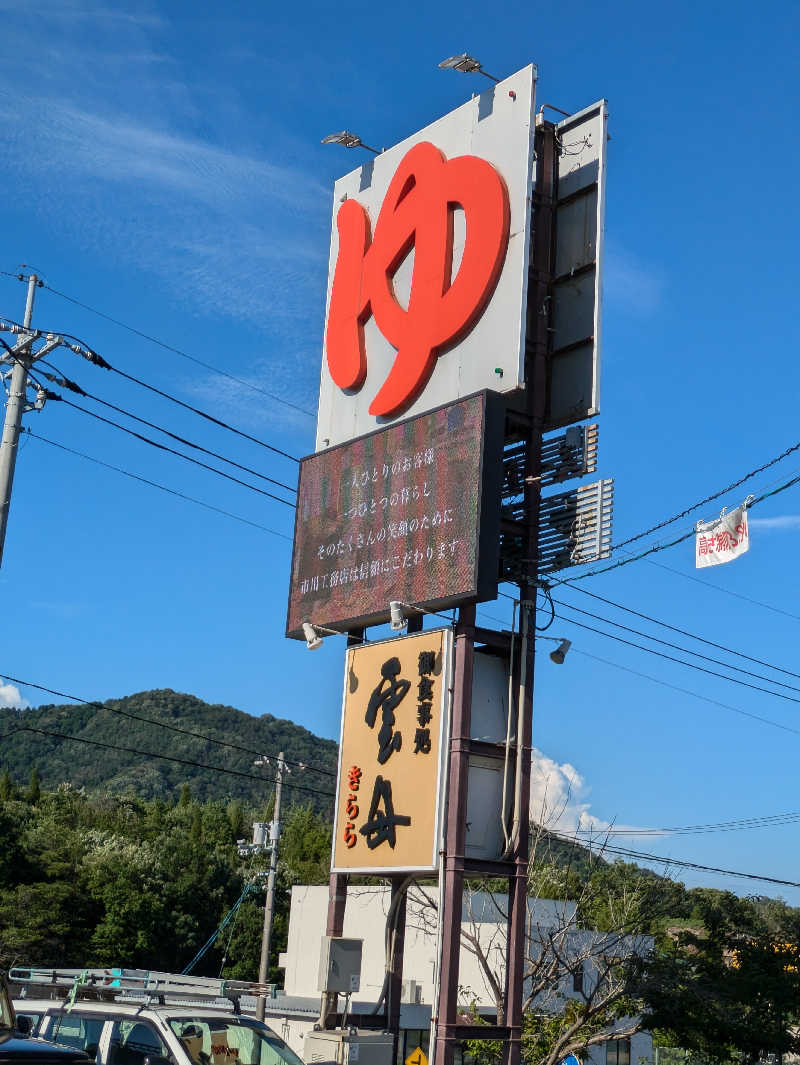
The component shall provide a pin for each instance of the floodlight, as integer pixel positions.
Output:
(467, 64)
(313, 638)
(398, 622)
(560, 652)
(348, 140)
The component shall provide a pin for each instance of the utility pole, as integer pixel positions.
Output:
(269, 905)
(15, 408)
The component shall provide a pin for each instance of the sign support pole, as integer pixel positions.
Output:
(538, 346)
(508, 1028)
(397, 946)
(455, 842)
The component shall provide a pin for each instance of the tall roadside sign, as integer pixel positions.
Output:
(462, 324)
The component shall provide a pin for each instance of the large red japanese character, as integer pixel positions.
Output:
(417, 212)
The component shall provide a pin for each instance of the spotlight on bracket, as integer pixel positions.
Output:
(466, 64)
(313, 638)
(398, 622)
(560, 652)
(348, 140)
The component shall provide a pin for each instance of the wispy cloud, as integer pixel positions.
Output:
(10, 698)
(113, 162)
(785, 521)
(631, 284)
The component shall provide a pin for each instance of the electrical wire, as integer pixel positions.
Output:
(741, 824)
(708, 499)
(72, 386)
(655, 548)
(92, 356)
(723, 590)
(155, 484)
(680, 661)
(687, 691)
(164, 447)
(168, 347)
(683, 864)
(161, 724)
(171, 758)
(684, 632)
(679, 647)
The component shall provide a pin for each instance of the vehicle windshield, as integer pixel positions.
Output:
(231, 1041)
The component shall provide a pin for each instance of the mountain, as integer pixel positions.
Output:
(212, 770)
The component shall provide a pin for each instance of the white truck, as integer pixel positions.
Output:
(137, 1017)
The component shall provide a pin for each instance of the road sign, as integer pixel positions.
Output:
(417, 1057)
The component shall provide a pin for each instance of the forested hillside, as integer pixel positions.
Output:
(93, 755)
(108, 880)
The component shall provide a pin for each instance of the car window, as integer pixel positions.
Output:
(231, 1041)
(133, 1042)
(77, 1030)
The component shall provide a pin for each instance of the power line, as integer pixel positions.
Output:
(170, 450)
(683, 864)
(720, 826)
(169, 758)
(708, 499)
(160, 487)
(97, 360)
(687, 691)
(680, 661)
(655, 548)
(725, 591)
(160, 724)
(683, 632)
(169, 347)
(678, 647)
(72, 386)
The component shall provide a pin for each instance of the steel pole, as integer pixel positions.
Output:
(538, 337)
(15, 407)
(446, 1008)
(269, 905)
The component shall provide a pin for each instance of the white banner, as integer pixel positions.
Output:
(721, 540)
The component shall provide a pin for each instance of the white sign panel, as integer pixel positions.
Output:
(427, 283)
(574, 392)
(722, 540)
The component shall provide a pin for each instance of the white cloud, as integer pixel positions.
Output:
(10, 698)
(112, 162)
(631, 284)
(785, 521)
(559, 798)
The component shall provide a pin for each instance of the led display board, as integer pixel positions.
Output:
(408, 513)
(428, 272)
(391, 751)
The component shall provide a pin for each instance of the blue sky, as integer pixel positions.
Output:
(162, 164)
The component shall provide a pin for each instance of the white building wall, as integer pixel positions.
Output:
(365, 919)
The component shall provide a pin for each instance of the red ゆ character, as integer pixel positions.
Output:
(416, 212)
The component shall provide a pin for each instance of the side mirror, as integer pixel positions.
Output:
(24, 1025)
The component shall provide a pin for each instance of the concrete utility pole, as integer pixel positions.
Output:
(269, 905)
(15, 408)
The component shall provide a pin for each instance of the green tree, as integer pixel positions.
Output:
(34, 787)
(731, 987)
(7, 789)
